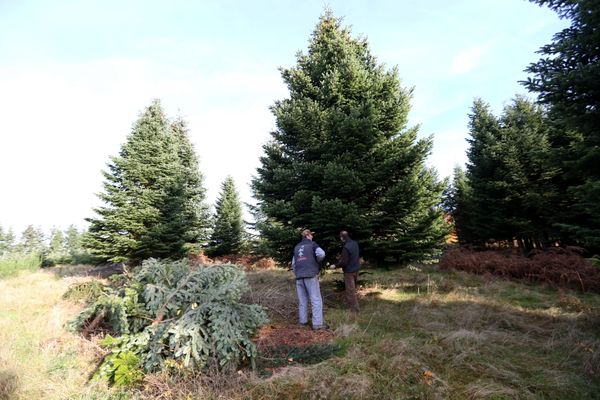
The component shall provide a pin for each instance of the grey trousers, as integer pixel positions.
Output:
(308, 289)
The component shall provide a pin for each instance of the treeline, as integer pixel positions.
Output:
(35, 248)
(533, 173)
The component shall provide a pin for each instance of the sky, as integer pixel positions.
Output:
(75, 75)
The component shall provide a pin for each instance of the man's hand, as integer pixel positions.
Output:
(332, 266)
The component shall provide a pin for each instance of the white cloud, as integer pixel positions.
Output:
(468, 59)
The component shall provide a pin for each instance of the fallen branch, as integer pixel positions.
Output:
(92, 325)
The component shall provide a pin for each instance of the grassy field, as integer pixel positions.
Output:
(421, 334)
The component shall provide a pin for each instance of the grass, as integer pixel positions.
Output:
(421, 334)
(38, 359)
(13, 264)
(429, 334)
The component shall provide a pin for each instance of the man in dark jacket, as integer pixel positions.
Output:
(350, 263)
(305, 263)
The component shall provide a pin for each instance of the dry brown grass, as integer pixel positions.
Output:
(215, 385)
(561, 268)
(275, 290)
(38, 359)
(9, 382)
(435, 335)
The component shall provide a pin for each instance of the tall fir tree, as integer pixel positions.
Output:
(342, 156)
(73, 245)
(567, 79)
(483, 162)
(195, 212)
(228, 231)
(510, 193)
(529, 173)
(185, 216)
(73, 241)
(148, 192)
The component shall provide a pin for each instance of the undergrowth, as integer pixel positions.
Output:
(558, 267)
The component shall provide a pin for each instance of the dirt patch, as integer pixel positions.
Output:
(281, 346)
(277, 335)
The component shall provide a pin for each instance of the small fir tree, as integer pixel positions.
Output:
(57, 252)
(228, 232)
(32, 241)
(456, 204)
(7, 241)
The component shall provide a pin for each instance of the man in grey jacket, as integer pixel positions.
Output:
(350, 263)
(305, 263)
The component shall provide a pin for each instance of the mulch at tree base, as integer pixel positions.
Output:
(276, 335)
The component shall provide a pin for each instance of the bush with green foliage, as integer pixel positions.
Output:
(169, 314)
(13, 263)
(86, 291)
(26, 255)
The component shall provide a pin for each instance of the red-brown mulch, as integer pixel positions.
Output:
(275, 335)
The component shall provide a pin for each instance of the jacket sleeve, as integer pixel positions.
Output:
(320, 254)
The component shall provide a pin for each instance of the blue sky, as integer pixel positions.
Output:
(74, 76)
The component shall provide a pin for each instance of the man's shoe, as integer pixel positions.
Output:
(320, 327)
(302, 324)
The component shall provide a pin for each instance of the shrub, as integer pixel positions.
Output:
(171, 315)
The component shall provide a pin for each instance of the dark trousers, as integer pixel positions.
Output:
(350, 279)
